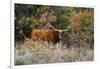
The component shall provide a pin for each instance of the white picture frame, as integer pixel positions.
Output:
(41, 2)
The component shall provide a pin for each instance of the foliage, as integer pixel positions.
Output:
(40, 52)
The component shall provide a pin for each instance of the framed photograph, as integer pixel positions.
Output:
(49, 33)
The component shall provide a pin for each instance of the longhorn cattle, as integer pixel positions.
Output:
(49, 35)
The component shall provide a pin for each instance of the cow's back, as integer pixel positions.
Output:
(45, 35)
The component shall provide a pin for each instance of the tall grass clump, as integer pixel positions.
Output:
(41, 52)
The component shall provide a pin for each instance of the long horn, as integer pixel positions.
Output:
(60, 30)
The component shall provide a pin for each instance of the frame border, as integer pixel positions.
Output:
(12, 4)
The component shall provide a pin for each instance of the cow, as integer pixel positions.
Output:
(49, 35)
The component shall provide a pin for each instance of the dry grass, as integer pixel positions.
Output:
(40, 52)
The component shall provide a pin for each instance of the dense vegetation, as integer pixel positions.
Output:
(79, 19)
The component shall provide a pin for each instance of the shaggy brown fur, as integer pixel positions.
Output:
(46, 35)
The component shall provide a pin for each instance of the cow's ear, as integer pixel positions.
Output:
(62, 32)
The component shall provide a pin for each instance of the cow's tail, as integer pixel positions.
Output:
(26, 39)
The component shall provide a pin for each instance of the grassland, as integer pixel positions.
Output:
(41, 52)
